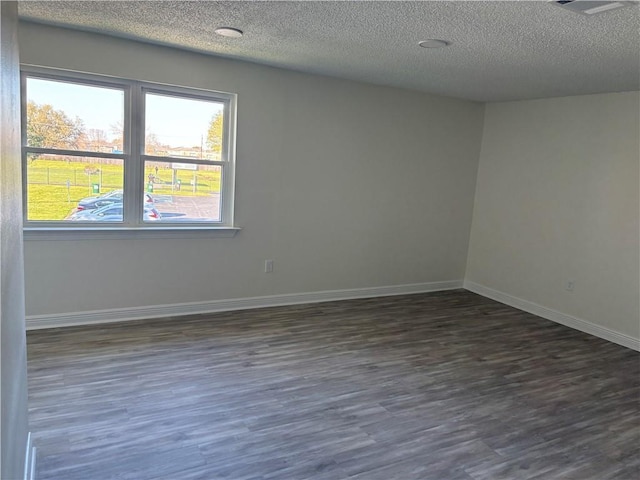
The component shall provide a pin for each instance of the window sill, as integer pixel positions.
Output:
(146, 233)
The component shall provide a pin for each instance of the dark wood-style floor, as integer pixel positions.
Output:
(440, 386)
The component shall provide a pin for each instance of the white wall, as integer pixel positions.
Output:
(557, 200)
(13, 384)
(345, 185)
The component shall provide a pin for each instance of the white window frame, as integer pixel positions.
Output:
(134, 158)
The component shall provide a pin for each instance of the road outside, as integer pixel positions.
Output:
(176, 208)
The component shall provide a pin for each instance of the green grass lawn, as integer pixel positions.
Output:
(53, 202)
(49, 198)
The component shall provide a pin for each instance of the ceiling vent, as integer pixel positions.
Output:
(591, 7)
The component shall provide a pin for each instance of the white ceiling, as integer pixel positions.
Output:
(503, 50)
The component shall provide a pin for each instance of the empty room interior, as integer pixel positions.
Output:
(320, 240)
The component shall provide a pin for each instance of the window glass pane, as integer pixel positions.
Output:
(70, 188)
(183, 192)
(183, 127)
(74, 117)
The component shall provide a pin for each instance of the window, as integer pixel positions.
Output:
(101, 152)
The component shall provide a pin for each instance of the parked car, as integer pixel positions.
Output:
(109, 198)
(96, 202)
(113, 193)
(112, 213)
(110, 193)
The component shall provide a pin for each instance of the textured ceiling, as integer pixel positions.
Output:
(500, 50)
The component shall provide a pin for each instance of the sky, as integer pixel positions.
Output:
(177, 122)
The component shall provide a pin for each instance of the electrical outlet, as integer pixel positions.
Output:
(268, 266)
(570, 285)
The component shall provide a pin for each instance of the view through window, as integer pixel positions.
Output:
(87, 161)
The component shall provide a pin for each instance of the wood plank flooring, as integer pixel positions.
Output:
(445, 386)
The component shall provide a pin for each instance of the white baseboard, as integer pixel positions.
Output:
(30, 460)
(554, 315)
(35, 322)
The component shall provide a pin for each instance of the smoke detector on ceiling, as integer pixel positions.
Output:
(591, 7)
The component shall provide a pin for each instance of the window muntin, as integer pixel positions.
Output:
(154, 146)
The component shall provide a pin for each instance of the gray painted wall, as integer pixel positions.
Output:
(345, 185)
(557, 200)
(13, 385)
